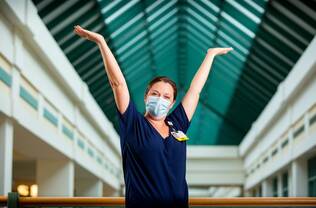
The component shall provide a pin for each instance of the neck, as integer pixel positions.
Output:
(155, 122)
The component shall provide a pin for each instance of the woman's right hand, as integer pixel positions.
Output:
(112, 69)
(92, 36)
(218, 51)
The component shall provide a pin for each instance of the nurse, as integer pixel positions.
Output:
(153, 145)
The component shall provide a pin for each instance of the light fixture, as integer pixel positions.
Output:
(34, 190)
(23, 190)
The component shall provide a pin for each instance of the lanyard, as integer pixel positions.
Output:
(179, 135)
(170, 124)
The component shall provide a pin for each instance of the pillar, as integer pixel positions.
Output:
(55, 177)
(280, 184)
(299, 178)
(266, 188)
(6, 156)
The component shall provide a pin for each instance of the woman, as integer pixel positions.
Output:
(153, 145)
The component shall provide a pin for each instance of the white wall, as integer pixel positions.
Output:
(214, 165)
(30, 55)
(291, 107)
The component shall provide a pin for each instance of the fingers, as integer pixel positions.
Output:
(228, 49)
(224, 50)
(78, 27)
(80, 31)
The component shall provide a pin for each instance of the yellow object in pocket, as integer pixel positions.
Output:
(180, 136)
(182, 139)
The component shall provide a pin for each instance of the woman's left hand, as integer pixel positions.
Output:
(218, 51)
(92, 36)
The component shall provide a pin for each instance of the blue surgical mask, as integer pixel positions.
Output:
(157, 107)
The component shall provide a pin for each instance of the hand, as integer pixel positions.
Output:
(92, 36)
(218, 51)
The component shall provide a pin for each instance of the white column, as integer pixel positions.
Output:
(55, 177)
(266, 188)
(299, 178)
(6, 156)
(280, 184)
(89, 187)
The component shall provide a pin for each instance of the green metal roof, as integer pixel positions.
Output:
(151, 38)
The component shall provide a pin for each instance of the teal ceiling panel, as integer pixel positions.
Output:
(171, 37)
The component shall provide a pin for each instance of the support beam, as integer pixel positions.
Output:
(55, 177)
(280, 183)
(6, 156)
(299, 178)
(267, 188)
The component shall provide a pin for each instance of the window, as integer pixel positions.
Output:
(275, 187)
(265, 159)
(285, 185)
(312, 176)
(298, 131)
(312, 120)
(284, 143)
(254, 192)
(259, 191)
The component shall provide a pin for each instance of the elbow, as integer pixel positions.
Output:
(116, 83)
(195, 91)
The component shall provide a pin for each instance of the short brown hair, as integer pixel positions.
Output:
(166, 80)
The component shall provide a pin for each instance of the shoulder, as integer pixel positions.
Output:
(129, 115)
(179, 117)
(131, 125)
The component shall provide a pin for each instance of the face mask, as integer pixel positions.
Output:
(157, 107)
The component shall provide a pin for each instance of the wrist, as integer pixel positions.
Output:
(210, 53)
(101, 41)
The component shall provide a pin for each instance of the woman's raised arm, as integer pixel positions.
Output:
(191, 98)
(113, 71)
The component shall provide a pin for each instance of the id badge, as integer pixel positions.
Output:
(179, 135)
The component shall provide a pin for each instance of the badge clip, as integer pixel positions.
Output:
(180, 136)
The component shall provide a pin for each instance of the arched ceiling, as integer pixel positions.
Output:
(171, 37)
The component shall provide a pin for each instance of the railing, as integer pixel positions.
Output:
(14, 201)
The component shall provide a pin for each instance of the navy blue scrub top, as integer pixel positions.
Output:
(154, 167)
